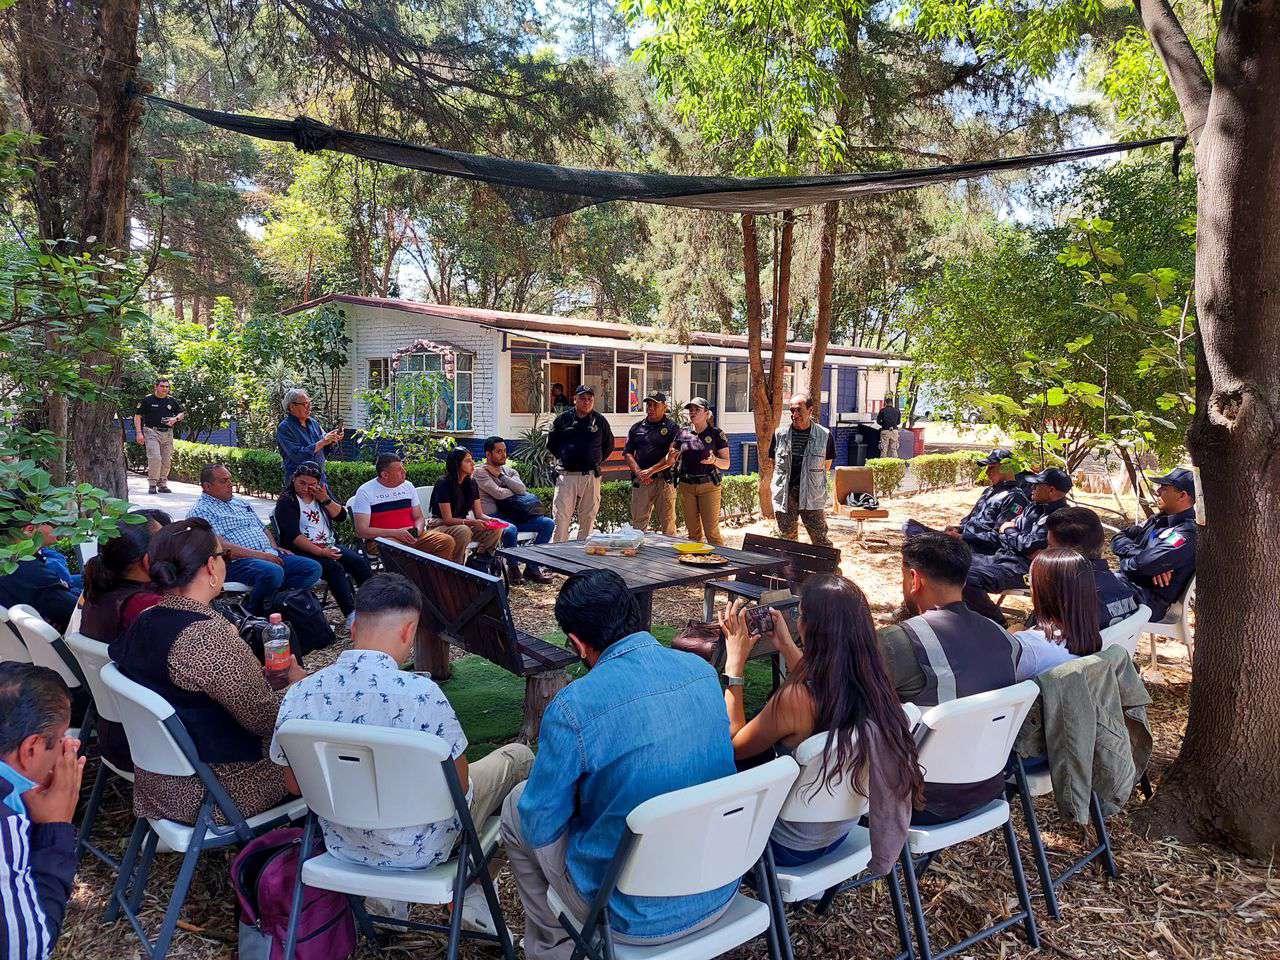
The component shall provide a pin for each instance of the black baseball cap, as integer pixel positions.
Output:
(1058, 479)
(657, 396)
(996, 456)
(1184, 480)
(584, 389)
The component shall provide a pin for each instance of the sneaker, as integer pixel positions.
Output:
(476, 915)
(151, 488)
(513, 573)
(164, 488)
(537, 575)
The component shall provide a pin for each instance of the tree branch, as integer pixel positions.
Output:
(1186, 73)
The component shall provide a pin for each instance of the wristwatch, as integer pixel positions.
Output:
(728, 681)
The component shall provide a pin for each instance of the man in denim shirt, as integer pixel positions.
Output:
(644, 721)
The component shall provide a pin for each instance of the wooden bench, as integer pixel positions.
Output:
(469, 609)
(856, 480)
(803, 561)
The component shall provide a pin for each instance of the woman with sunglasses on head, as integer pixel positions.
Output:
(191, 655)
(304, 515)
(1064, 598)
(838, 686)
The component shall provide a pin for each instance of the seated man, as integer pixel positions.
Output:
(366, 685)
(1020, 541)
(504, 495)
(252, 555)
(41, 581)
(1079, 529)
(1159, 557)
(1002, 500)
(943, 633)
(387, 506)
(608, 744)
(39, 785)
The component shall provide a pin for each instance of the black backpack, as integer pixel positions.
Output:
(302, 611)
(251, 628)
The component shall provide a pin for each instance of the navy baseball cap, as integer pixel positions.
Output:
(1058, 479)
(1184, 480)
(584, 389)
(657, 397)
(996, 456)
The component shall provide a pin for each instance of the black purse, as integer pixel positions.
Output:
(520, 508)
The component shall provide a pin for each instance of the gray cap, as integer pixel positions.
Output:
(698, 402)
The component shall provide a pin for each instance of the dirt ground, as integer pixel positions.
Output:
(1171, 900)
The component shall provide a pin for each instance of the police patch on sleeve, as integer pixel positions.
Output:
(1173, 537)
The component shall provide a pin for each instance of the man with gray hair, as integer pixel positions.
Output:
(300, 437)
(802, 451)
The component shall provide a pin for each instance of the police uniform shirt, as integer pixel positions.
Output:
(1116, 598)
(1029, 534)
(998, 504)
(581, 444)
(650, 442)
(153, 410)
(1163, 543)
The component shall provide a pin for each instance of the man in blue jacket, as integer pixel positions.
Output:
(40, 777)
(1159, 557)
(300, 438)
(41, 581)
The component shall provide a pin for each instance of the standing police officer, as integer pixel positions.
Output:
(581, 440)
(648, 454)
(1159, 557)
(1020, 541)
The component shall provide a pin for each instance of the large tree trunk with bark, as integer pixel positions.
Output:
(96, 439)
(1224, 784)
(826, 283)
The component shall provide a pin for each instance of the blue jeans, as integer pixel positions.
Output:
(266, 577)
(542, 526)
(786, 857)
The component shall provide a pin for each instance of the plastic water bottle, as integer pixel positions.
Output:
(276, 651)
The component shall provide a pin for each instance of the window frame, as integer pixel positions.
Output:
(450, 393)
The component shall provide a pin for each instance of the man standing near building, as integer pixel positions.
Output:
(153, 424)
(300, 438)
(582, 441)
(649, 455)
(802, 453)
(889, 418)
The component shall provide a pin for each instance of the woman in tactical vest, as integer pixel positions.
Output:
(1064, 595)
(837, 685)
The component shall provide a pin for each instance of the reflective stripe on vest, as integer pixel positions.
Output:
(940, 683)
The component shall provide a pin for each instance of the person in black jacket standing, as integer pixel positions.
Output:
(1020, 541)
(582, 441)
(40, 776)
(1159, 557)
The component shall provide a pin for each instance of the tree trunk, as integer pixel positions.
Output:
(97, 441)
(755, 321)
(539, 691)
(826, 281)
(1224, 784)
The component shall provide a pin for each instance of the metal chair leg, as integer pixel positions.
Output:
(1037, 842)
(1104, 837)
(1145, 786)
(1020, 882)
(899, 912)
(123, 878)
(91, 810)
(764, 888)
(143, 874)
(185, 875)
(913, 897)
(778, 907)
(455, 919)
(295, 908)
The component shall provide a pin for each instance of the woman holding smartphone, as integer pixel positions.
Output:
(836, 685)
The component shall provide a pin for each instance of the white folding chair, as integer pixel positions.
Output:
(1177, 624)
(87, 550)
(377, 778)
(834, 872)
(11, 645)
(689, 842)
(159, 743)
(92, 657)
(962, 741)
(47, 649)
(1125, 633)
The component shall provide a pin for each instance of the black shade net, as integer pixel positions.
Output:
(537, 191)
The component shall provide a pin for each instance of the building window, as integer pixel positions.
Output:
(629, 386)
(432, 392)
(704, 381)
(658, 374)
(737, 388)
(598, 374)
(379, 373)
(527, 392)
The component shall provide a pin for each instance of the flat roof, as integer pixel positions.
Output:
(542, 323)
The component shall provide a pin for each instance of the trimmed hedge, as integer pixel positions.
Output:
(737, 498)
(888, 473)
(934, 470)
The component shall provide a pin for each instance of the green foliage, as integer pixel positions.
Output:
(936, 470)
(389, 416)
(888, 473)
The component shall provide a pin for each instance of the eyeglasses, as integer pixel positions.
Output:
(220, 553)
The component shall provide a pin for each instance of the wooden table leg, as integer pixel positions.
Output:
(539, 690)
(431, 653)
(644, 600)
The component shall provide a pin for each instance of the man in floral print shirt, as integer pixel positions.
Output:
(366, 685)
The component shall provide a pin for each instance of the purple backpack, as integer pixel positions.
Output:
(263, 875)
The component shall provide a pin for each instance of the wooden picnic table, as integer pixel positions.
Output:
(655, 567)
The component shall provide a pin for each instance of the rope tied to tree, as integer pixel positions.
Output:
(311, 136)
(1179, 144)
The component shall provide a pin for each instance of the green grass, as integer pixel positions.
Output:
(489, 701)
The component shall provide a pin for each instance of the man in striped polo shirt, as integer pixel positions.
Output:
(387, 506)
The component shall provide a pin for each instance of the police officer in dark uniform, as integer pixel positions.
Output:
(1159, 557)
(581, 440)
(1003, 500)
(1020, 540)
(649, 455)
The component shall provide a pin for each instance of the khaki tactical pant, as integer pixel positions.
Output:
(577, 494)
(486, 540)
(159, 454)
(815, 522)
(658, 496)
(701, 505)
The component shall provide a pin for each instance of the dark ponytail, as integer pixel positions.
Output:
(109, 569)
(180, 551)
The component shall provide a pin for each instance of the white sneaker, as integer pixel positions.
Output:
(476, 915)
(351, 618)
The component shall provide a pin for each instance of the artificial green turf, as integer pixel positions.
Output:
(489, 701)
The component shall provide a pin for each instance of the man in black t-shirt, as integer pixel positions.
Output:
(649, 455)
(889, 419)
(581, 439)
(153, 424)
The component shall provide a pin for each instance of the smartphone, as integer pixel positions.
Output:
(759, 620)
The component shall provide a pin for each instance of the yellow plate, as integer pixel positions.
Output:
(693, 548)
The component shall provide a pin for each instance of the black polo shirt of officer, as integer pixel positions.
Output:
(155, 410)
(649, 441)
(581, 444)
(1164, 545)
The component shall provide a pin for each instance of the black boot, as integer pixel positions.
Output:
(513, 572)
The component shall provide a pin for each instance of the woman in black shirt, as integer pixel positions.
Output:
(456, 496)
(703, 453)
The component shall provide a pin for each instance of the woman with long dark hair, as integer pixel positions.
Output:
(1064, 597)
(456, 509)
(838, 685)
(191, 655)
(117, 583)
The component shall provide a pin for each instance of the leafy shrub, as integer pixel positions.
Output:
(935, 470)
(888, 473)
